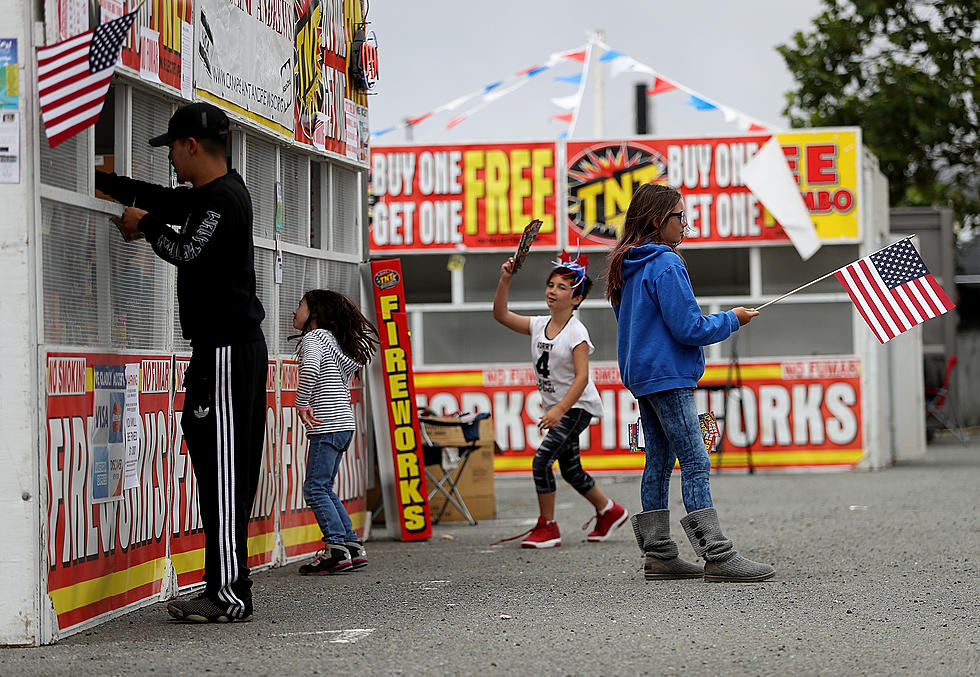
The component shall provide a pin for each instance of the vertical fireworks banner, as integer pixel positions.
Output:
(400, 460)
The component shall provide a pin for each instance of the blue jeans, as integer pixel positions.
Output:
(671, 432)
(322, 463)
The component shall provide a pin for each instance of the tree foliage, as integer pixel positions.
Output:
(908, 74)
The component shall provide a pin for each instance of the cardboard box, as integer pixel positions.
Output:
(476, 483)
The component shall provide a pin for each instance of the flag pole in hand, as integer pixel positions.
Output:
(790, 293)
(824, 277)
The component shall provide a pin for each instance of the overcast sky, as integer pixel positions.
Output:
(432, 51)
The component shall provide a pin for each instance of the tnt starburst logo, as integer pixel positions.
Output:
(601, 181)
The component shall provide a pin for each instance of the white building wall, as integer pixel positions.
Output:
(20, 493)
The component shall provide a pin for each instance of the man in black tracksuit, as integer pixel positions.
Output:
(206, 232)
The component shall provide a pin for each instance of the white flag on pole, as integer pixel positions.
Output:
(768, 176)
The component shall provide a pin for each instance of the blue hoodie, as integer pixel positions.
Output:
(661, 328)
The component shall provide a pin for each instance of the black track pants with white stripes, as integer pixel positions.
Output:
(224, 426)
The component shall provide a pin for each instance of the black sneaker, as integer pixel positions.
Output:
(203, 610)
(358, 555)
(333, 559)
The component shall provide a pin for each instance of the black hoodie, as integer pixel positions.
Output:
(206, 233)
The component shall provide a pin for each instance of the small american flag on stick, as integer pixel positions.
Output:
(73, 78)
(893, 290)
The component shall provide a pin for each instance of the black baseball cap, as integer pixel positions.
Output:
(199, 120)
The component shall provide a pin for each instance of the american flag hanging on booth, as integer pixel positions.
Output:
(893, 290)
(73, 78)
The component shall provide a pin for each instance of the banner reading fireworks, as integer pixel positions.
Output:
(104, 554)
(803, 412)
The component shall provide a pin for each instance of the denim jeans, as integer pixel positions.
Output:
(322, 463)
(671, 432)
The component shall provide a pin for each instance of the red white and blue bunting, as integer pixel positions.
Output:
(619, 63)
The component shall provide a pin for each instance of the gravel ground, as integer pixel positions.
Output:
(876, 574)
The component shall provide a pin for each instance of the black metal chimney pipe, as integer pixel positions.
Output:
(642, 109)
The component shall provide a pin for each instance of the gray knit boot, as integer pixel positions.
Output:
(721, 561)
(652, 530)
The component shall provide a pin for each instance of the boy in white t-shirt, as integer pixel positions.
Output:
(560, 349)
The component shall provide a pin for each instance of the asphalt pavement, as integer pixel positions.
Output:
(876, 574)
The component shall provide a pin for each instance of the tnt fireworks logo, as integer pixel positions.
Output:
(386, 279)
(601, 181)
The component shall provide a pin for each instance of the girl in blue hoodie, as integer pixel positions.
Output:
(660, 334)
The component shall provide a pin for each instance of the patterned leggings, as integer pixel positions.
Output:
(561, 442)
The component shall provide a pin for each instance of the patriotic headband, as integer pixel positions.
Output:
(577, 264)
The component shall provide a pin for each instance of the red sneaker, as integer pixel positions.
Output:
(606, 523)
(543, 535)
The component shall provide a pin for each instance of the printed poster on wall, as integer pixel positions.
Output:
(257, 82)
(103, 556)
(794, 413)
(73, 18)
(721, 210)
(149, 54)
(9, 146)
(187, 61)
(350, 115)
(131, 427)
(9, 87)
(9, 113)
(108, 432)
(462, 197)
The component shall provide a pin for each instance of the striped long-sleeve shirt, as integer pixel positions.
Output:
(325, 372)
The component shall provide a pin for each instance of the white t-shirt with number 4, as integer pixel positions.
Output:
(554, 365)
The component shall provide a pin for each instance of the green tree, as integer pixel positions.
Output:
(908, 74)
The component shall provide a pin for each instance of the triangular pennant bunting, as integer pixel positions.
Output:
(619, 63)
(661, 85)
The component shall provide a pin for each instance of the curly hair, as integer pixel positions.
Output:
(648, 210)
(333, 311)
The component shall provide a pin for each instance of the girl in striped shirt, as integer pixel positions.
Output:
(336, 340)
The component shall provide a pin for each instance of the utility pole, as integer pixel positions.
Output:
(599, 88)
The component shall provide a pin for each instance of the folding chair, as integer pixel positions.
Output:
(457, 440)
(940, 406)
